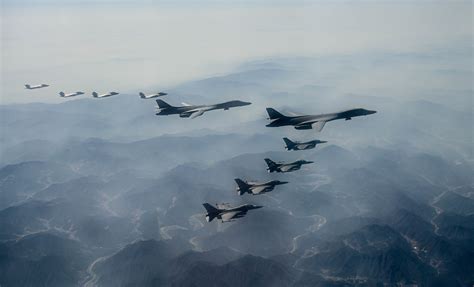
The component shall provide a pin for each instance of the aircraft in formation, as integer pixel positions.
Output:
(317, 122)
(293, 145)
(256, 187)
(285, 167)
(30, 87)
(193, 111)
(64, 95)
(227, 213)
(151, 96)
(96, 95)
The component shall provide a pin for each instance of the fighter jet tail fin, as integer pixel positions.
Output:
(27, 86)
(212, 212)
(142, 95)
(289, 144)
(162, 104)
(274, 114)
(243, 186)
(62, 94)
(95, 94)
(272, 166)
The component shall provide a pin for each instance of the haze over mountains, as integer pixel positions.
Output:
(105, 193)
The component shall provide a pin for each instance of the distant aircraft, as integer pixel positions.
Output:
(151, 96)
(95, 95)
(193, 111)
(63, 95)
(226, 213)
(285, 167)
(312, 121)
(291, 145)
(256, 187)
(29, 87)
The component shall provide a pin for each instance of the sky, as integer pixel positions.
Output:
(133, 46)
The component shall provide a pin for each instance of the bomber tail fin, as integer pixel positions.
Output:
(162, 104)
(212, 212)
(27, 86)
(243, 186)
(274, 114)
(289, 144)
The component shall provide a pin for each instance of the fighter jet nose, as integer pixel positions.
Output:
(372, 112)
(257, 206)
(246, 103)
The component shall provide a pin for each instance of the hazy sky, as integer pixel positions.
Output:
(130, 47)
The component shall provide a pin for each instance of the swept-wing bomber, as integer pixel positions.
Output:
(312, 121)
(193, 111)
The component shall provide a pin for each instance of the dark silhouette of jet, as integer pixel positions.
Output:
(291, 145)
(30, 87)
(226, 213)
(256, 187)
(312, 121)
(194, 111)
(285, 167)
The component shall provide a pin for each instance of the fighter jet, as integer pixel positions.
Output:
(256, 187)
(291, 145)
(312, 121)
(96, 95)
(63, 95)
(226, 213)
(150, 96)
(193, 111)
(29, 87)
(285, 167)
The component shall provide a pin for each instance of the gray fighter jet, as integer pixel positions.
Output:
(193, 111)
(256, 187)
(151, 96)
(291, 145)
(96, 95)
(64, 95)
(312, 121)
(285, 167)
(226, 213)
(29, 87)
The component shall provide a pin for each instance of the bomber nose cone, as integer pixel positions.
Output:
(282, 182)
(245, 103)
(369, 112)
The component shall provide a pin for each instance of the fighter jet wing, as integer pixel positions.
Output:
(228, 216)
(286, 168)
(304, 146)
(258, 189)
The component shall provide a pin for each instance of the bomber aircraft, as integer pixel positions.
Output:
(312, 121)
(194, 111)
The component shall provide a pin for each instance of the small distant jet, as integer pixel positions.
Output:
(96, 95)
(151, 96)
(193, 111)
(256, 187)
(312, 121)
(291, 145)
(63, 95)
(226, 213)
(285, 167)
(29, 87)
